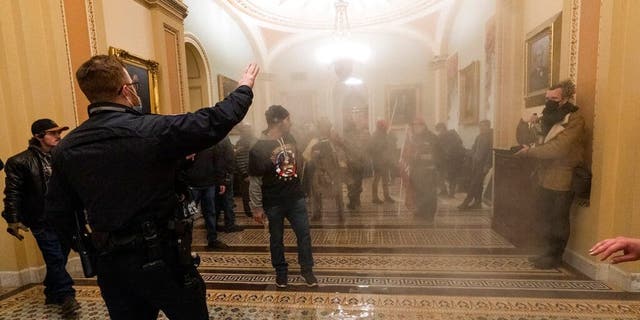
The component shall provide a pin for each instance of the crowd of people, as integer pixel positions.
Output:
(120, 182)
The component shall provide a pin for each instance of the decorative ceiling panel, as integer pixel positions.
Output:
(320, 14)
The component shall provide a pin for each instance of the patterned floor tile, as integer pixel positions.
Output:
(372, 263)
(232, 305)
(405, 282)
(392, 219)
(387, 238)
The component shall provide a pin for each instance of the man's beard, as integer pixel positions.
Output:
(551, 115)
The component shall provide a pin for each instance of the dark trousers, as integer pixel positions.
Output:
(224, 202)
(130, 292)
(206, 197)
(57, 283)
(476, 186)
(296, 212)
(381, 173)
(453, 169)
(424, 184)
(244, 189)
(354, 187)
(554, 208)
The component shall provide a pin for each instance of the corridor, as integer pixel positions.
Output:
(381, 262)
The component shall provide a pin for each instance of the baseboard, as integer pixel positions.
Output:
(611, 274)
(14, 279)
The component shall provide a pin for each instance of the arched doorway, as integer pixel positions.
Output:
(198, 76)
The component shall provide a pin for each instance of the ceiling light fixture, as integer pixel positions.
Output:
(342, 47)
(353, 81)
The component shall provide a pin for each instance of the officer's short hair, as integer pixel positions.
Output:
(101, 77)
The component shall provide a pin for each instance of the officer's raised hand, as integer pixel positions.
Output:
(249, 76)
(14, 229)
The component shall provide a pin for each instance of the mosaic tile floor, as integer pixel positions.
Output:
(387, 238)
(381, 262)
(232, 304)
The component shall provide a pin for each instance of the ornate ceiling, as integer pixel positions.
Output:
(320, 14)
(278, 24)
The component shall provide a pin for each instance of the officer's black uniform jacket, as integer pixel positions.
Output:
(121, 165)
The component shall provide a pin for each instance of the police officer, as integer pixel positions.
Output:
(119, 167)
(425, 154)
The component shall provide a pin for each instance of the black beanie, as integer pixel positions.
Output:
(275, 114)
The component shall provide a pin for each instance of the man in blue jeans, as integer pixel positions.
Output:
(224, 164)
(275, 190)
(28, 174)
(200, 176)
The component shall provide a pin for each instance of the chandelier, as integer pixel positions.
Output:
(341, 47)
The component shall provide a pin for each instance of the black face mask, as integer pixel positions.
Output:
(550, 104)
(554, 113)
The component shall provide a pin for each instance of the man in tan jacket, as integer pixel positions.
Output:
(561, 150)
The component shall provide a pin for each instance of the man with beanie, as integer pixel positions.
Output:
(561, 151)
(276, 192)
(26, 183)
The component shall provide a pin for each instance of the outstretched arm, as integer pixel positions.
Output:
(630, 248)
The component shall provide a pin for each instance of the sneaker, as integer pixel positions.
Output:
(281, 280)
(233, 228)
(217, 244)
(389, 200)
(310, 279)
(69, 306)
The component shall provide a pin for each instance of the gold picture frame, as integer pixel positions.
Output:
(226, 85)
(470, 93)
(542, 60)
(402, 104)
(146, 73)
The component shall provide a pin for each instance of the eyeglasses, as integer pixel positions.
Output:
(135, 85)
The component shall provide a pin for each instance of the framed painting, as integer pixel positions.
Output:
(402, 104)
(225, 86)
(542, 60)
(144, 72)
(470, 93)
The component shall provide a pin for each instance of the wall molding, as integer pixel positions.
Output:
(91, 21)
(70, 72)
(606, 272)
(174, 7)
(574, 44)
(31, 275)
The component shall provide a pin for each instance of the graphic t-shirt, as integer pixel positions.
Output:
(276, 161)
